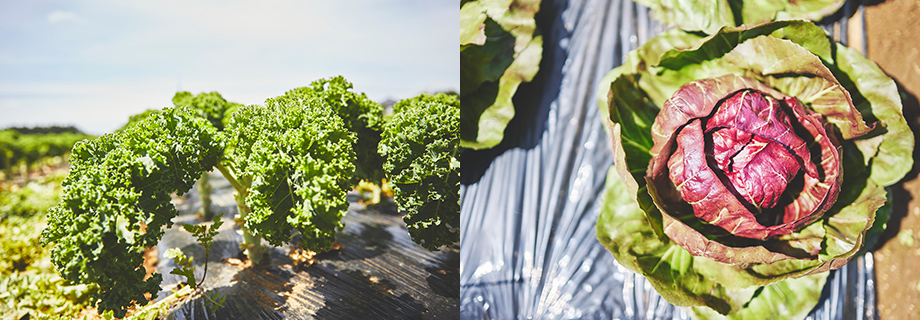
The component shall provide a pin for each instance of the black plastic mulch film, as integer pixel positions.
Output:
(379, 273)
(528, 206)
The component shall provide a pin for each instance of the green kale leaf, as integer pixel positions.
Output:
(117, 199)
(421, 146)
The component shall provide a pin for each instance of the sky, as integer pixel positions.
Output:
(93, 63)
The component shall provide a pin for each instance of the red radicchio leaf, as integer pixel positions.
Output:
(746, 158)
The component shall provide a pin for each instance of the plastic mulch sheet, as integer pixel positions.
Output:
(379, 273)
(529, 206)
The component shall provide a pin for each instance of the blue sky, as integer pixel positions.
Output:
(92, 63)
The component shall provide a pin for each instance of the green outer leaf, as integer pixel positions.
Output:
(488, 81)
(638, 61)
(472, 21)
(623, 229)
(789, 299)
(646, 56)
(882, 215)
(516, 16)
(892, 156)
(813, 10)
(486, 62)
(761, 11)
(803, 33)
(495, 117)
(692, 15)
(709, 15)
(846, 229)
(631, 117)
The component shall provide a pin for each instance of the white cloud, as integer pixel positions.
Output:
(59, 16)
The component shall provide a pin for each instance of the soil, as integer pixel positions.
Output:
(893, 41)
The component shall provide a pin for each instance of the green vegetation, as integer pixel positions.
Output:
(421, 149)
(359, 115)
(29, 283)
(21, 151)
(293, 159)
(500, 48)
(117, 199)
(710, 15)
(217, 110)
(211, 106)
(291, 163)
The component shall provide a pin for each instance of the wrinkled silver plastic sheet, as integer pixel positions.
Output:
(528, 207)
(379, 273)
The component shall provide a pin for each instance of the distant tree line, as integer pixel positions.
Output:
(21, 147)
(46, 129)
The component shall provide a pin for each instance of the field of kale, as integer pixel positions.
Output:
(317, 203)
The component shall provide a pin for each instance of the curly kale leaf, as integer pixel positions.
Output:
(116, 200)
(361, 115)
(299, 158)
(420, 145)
(136, 118)
(211, 106)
